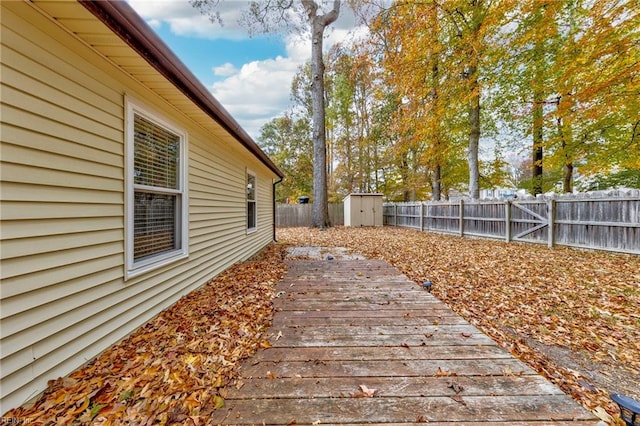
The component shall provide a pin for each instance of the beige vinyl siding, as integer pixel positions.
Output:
(64, 297)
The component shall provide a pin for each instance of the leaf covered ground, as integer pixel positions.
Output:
(573, 315)
(172, 370)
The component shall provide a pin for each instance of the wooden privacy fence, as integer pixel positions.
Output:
(603, 223)
(294, 215)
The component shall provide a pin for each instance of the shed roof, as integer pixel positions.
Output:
(130, 44)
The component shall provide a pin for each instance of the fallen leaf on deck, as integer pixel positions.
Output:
(218, 402)
(602, 414)
(458, 399)
(365, 392)
(444, 373)
(455, 386)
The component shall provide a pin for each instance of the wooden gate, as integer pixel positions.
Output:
(529, 221)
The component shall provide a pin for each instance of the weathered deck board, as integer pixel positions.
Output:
(410, 340)
(308, 319)
(342, 324)
(406, 409)
(399, 387)
(434, 312)
(380, 353)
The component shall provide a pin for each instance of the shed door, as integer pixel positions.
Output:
(367, 211)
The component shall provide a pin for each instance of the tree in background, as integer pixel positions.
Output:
(521, 86)
(287, 141)
(407, 108)
(572, 81)
(597, 88)
(272, 16)
(352, 108)
(469, 28)
(410, 56)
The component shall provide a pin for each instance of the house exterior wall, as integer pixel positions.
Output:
(64, 296)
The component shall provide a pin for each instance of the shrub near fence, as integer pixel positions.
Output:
(295, 215)
(596, 221)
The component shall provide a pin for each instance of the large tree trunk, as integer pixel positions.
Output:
(436, 188)
(318, 23)
(567, 178)
(538, 143)
(474, 134)
(320, 198)
(538, 117)
(567, 182)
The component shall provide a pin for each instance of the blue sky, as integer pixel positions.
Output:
(251, 77)
(203, 55)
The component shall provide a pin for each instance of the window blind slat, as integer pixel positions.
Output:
(156, 155)
(154, 224)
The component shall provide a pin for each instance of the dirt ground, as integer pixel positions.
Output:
(573, 315)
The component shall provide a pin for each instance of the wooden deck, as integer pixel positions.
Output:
(345, 328)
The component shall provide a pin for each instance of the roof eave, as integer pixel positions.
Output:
(133, 30)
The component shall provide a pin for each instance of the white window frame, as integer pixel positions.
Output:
(134, 268)
(254, 201)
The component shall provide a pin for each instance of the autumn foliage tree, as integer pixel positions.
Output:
(571, 84)
(439, 95)
(563, 74)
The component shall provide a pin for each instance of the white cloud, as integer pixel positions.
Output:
(185, 20)
(225, 70)
(154, 23)
(258, 91)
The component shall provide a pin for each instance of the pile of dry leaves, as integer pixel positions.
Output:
(173, 369)
(573, 315)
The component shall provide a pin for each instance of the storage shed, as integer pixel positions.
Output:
(363, 209)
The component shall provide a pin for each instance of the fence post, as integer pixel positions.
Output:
(507, 220)
(552, 219)
(428, 216)
(395, 214)
(421, 216)
(461, 218)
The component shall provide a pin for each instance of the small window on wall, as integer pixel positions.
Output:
(156, 192)
(252, 211)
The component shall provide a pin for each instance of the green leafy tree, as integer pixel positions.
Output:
(287, 141)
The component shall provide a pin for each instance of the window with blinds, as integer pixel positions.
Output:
(156, 182)
(157, 193)
(251, 201)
